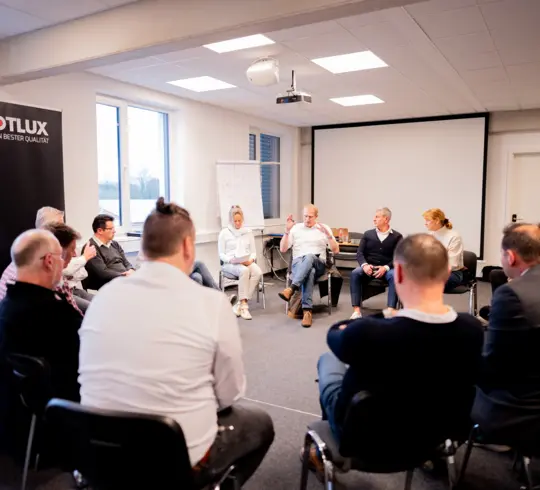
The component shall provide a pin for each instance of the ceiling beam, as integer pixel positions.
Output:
(153, 27)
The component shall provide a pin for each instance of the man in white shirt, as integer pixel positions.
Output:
(308, 241)
(151, 344)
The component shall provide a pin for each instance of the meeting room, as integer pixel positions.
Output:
(269, 245)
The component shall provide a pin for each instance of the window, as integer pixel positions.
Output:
(133, 160)
(269, 154)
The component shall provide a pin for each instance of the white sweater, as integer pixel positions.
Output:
(236, 243)
(453, 243)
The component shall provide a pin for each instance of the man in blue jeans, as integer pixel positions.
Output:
(375, 255)
(309, 241)
(392, 356)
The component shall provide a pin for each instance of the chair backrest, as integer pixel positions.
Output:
(114, 449)
(32, 380)
(355, 235)
(399, 432)
(470, 261)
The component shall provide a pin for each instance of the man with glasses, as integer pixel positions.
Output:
(110, 260)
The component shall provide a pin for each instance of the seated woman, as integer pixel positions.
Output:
(236, 246)
(440, 227)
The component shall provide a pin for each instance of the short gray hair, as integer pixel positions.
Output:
(47, 215)
(385, 212)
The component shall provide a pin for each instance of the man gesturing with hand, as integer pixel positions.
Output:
(308, 241)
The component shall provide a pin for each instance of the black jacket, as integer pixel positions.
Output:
(372, 251)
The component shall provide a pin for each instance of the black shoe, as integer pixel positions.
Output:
(484, 312)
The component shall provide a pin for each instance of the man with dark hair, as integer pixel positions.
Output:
(184, 355)
(34, 319)
(410, 356)
(507, 405)
(110, 260)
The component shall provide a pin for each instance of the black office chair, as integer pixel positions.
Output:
(347, 252)
(116, 449)
(470, 283)
(32, 381)
(390, 436)
(523, 455)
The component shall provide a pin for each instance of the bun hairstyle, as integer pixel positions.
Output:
(436, 214)
(235, 209)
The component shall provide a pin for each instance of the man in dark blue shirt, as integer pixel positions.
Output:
(425, 352)
(375, 254)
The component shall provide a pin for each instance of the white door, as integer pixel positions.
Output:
(523, 203)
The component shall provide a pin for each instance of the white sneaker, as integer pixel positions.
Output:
(236, 308)
(356, 315)
(244, 312)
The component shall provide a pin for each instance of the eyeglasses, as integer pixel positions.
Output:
(109, 229)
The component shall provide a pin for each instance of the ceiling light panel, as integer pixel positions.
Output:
(240, 43)
(202, 84)
(344, 63)
(357, 100)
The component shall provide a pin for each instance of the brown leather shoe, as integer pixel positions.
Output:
(308, 319)
(286, 294)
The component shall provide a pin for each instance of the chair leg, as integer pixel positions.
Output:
(263, 293)
(305, 462)
(28, 451)
(466, 457)
(475, 299)
(526, 462)
(329, 294)
(408, 479)
(451, 464)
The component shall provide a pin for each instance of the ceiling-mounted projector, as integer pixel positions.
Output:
(263, 72)
(293, 95)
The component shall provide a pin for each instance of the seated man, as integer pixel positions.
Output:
(183, 358)
(375, 256)
(308, 241)
(34, 319)
(110, 260)
(393, 357)
(507, 404)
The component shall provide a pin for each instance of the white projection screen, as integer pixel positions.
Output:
(408, 167)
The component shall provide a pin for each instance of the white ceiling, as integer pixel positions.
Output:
(20, 16)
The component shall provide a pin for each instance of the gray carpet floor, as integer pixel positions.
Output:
(280, 358)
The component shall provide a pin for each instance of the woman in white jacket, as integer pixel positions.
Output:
(236, 246)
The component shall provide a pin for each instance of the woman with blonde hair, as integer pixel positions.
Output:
(236, 246)
(441, 228)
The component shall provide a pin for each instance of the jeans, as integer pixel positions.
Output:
(245, 445)
(305, 271)
(248, 278)
(331, 373)
(202, 275)
(455, 280)
(358, 277)
(82, 298)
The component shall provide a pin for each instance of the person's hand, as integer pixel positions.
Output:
(89, 251)
(368, 269)
(290, 223)
(381, 271)
(128, 272)
(323, 228)
(247, 263)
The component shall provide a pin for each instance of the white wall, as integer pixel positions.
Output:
(200, 135)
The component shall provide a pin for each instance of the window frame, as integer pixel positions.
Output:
(257, 132)
(123, 158)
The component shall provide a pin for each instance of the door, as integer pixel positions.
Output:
(523, 203)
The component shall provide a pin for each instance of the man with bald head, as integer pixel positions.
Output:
(34, 319)
(408, 356)
(507, 405)
(308, 241)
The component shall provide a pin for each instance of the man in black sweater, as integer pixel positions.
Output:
(375, 254)
(425, 353)
(110, 260)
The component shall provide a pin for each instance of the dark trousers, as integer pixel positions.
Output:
(202, 275)
(455, 280)
(331, 372)
(245, 435)
(360, 279)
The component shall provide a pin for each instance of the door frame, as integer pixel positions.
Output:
(511, 155)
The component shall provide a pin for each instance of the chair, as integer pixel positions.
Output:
(523, 455)
(32, 382)
(470, 283)
(324, 280)
(347, 252)
(391, 441)
(227, 279)
(114, 449)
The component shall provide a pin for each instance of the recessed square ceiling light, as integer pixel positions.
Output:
(202, 84)
(343, 63)
(357, 100)
(240, 43)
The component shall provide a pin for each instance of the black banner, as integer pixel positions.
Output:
(31, 169)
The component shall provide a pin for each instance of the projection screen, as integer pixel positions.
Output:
(408, 167)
